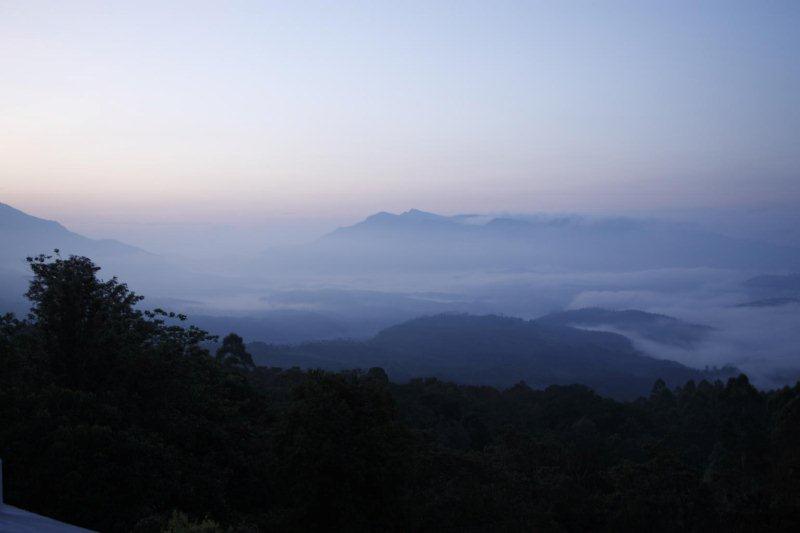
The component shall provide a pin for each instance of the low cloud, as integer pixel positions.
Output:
(764, 342)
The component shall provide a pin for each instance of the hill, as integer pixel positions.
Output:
(775, 284)
(659, 328)
(770, 302)
(490, 350)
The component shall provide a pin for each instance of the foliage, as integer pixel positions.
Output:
(114, 420)
(498, 351)
(180, 523)
(233, 352)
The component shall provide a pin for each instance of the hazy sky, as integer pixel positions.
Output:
(156, 111)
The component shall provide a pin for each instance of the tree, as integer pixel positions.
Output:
(234, 353)
(83, 322)
(80, 319)
(180, 523)
(112, 417)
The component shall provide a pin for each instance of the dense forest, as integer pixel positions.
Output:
(498, 351)
(116, 419)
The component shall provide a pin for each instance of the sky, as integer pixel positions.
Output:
(114, 114)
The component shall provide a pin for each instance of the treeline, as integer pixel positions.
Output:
(115, 420)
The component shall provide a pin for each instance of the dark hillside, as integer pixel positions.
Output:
(492, 350)
(655, 327)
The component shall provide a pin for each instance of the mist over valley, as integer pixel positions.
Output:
(399, 266)
(676, 291)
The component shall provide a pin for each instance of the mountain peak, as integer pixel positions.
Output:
(382, 215)
(13, 218)
(417, 212)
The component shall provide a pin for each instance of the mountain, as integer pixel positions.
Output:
(419, 241)
(490, 350)
(788, 284)
(658, 328)
(770, 302)
(388, 224)
(22, 235)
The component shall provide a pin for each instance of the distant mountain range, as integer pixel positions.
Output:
(492, 350)
(421, 241)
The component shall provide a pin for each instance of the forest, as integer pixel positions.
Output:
(116, 418)
(498, 351)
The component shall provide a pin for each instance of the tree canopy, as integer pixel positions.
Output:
(117, 419)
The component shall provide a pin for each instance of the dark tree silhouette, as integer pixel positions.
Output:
(234, 353)
(119, 419)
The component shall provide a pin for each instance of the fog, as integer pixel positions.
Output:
(763, 341)
(312, 280)
(256, 165)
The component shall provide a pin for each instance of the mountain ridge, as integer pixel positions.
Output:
(419, 241)
(659, 328)
(54, 234)
(23, 235)
(490, 350)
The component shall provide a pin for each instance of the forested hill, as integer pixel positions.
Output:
(493, 350)
(659, 328)
(113, 420)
